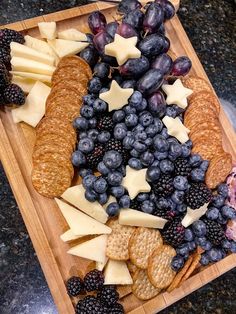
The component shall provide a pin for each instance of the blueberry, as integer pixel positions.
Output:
(136, 100)
(160, 156)
(124, 201)
(78, 159)
(102, 168)
(228, 212)
(134, 153)
(139, 146)
(148, 207)
(175, 150)
(100, 185)
(183, 249)
(192, 246)
(113, 209)
(87, 111)
(138, 128)
(88, 99)
(222, 220)
(159, 124)
(83, 134)
(80, 124)
(171, 112)
(207, 246)
(182, 208)
(188, 236)
(100, 106)
(128, 84)
(181, 183)
(104, 90)
(101, 70)
(112, 159)
(204, 259)
(172, 140)
(171, 204)
(218, 201)
(164, 133)
(151, 130)
(201, 241)
(153, 174)
(195, 160)
(161, 144)
(153, 197)
(142, 197)
(177, 263)
(223, 189)
(140, 136)
(83, 172)
(212, 213)
(162, 203)
(118, 116)
(147, 158)
(226, 244)
(114, 178)
(122, 170)
(148, 141)
(177, 197)
(214, 255)
(189, 144)
(104, 137)
(233, 247)
(143, 105)
(102, 198)
(88, 181)
(186, 152)
(131, 120)
(128, 142)
(155, 163)
(199, 228)
(166, 166)
(135, 163)
(91, 195)
(93, 134)
(128, 109)
(145, 118)
(94, 85)
(197, 175)
(92, 123)
(117, 191)
(204, 165)
(120, 131)
(86, 145)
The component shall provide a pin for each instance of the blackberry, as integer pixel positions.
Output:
(198, 195)
(93, 280)
(9, 35)
(164, 186)
(182, 167)
(114, 144)
(173, 232)
(4, 76)
(108, 295)
(74, 286)
(215, 232)
(13, 94)
(166, 214)
(135, 204)
(5, 56)
(2, 100)
(90, 305)
(105, 123)
(95, 156)
(116, 309)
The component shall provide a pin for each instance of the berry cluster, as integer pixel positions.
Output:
(106, 300)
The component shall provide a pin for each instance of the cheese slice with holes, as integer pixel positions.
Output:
(69, 236)
(72, 34)
(117, 273)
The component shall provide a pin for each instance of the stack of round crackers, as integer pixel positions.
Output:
(202, 119)
(55, 136)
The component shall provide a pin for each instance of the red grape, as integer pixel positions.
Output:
(100, 40)
(181, 66)
(152, 45)
(126, 30)
(153, 18)
(111, 28)
(97, 22)
(126, 6)
(150, 82)
(134, 68)
(134, 18)
(163, 63)
(157, 104)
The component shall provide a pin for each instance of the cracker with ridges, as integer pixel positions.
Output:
(142, 287)
(180, 274)
(54, 138)
(197, 128)
(67, 73)
(193, 266)
(207, 135)
(207, 149)
(76, 61)
(159, 268)
(196, 84)
(131, 267)
(204, 110)
(198, 117)
(202, 104)
(49, 147)
(206, 95)
(218, 170)
(118, 241)
(68, 95)
(141, 245)
(69, 86)
(59, 111)
(68, 103)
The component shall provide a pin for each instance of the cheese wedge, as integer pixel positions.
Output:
(64, 47)
(48, 30)
(80, 223)
(75, 196)
(131, 217)
(32, 76)
(72, 34)
(18, 50)
(117, 273)
(94, 249)
(34, 108)
(24, 83)
(69, 236)
(25, 65)
(39, 45)
(100, 266)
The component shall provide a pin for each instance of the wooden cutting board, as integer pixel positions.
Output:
(42, 217)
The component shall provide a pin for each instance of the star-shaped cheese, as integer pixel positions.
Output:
(176, 128)
(177, 94)
(123, 49)
(116, 97)
(135, 182)
(194, 215)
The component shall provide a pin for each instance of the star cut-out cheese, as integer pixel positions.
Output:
(194, 215)
(135, 182)
(176, 128)
(177, 94)
(123, 49)
(116, 97)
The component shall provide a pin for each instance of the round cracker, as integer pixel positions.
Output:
(206, 95)
(68, 73)
(208, 134)
(197, 117)
(53, 138)
(196, 84)
(142, 287)
(207, 149)
(141, 245)
(76, 61)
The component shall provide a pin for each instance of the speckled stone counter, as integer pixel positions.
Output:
(211, 25)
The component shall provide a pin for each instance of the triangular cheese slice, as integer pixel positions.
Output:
(117, 273)
(25, 83)
(75, 196)
(33, 76)
(72, 34)
(25, 65)
(39, 45)
(80, 223)
(100, 266)
(94, 249)
(48, 30)
(64, 47)
(69, 236)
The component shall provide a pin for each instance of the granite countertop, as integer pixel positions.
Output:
(211, 25)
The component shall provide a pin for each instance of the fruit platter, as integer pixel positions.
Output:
(119, 155)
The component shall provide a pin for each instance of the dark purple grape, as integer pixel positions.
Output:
(150, 82)
(89, 38)
(166, 44)
(111, 28)
(102, 70)
(134, 18)
(97, 22)
(128, 84)
(181, 66)
(126, 30)
(134, 68)
(152, 45)
(126, 6)
(153, 18)
(157, 104)
(161, 2)
(90, 55)
(100, 40)
(163, 63)
(169, 10)
(161, 30)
